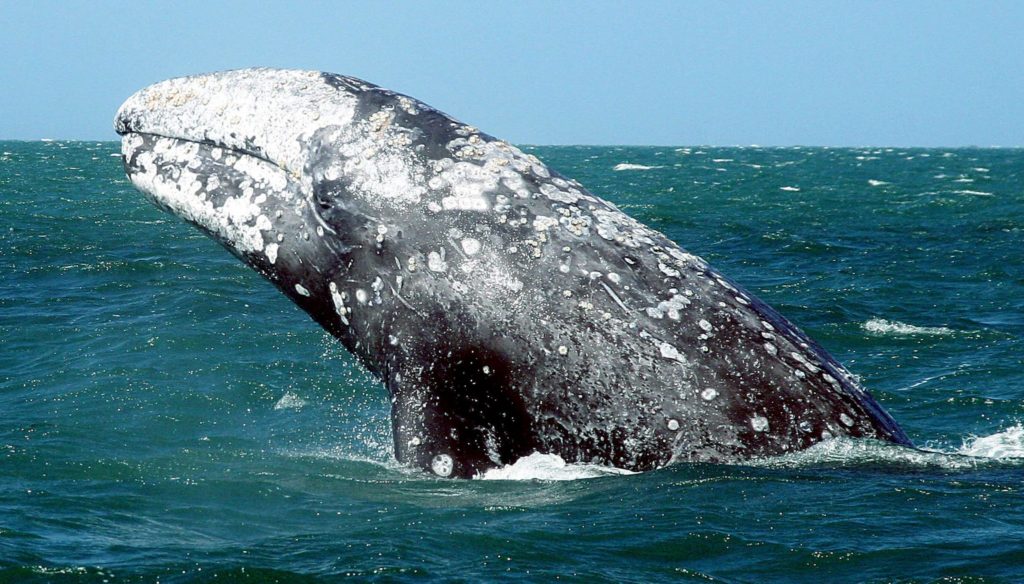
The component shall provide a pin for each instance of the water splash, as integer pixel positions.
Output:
(1005, 445)
(549, 467)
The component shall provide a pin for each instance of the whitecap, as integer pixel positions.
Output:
(628, 166)
(790, 189)
(876, 183)
(289, 401)
(974, 193)
(880, 326)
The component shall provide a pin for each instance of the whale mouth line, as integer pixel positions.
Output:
(213, 144)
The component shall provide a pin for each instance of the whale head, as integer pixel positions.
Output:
(295, 172)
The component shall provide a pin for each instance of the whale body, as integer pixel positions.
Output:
(506, 309)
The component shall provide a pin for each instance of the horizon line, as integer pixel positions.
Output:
(578, 145)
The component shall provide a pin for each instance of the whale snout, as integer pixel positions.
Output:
(227, 152)
(264, 113)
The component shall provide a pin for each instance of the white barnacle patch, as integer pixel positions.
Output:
(614, 278)
(271, 251)
(361, 296)
(470, 246)
(435, 261)
(339, 302)
(673, 424)
(472, 202)
(846, 420)
(772, 349)
(803, 361)
(301, 290)
(670, 352)
(668, 270)
(759, 423)
(543, 223)
(442, 465)
(563, 350)
(709, 394)
(377, 286)
(705, 325)
(670, 307)
(553, 192)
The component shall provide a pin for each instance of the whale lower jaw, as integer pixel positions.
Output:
(232, 195)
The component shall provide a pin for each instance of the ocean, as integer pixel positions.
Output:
(167, 416)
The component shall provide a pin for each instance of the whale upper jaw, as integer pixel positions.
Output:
(264, 113)
(229, 152)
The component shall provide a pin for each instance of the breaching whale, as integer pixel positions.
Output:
(507, 309)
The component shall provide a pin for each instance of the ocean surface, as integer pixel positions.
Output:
(166, 415)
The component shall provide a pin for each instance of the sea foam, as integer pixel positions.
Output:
(880, 326)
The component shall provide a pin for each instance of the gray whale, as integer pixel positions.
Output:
(507, 309)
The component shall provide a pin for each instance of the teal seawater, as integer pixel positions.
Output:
(166, 415)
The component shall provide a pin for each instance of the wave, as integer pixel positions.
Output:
(628, 166)
(975, 193)
(790, 189)
(1001, 447)
(1006, 446)
(880, 326)
(289, 401)
(876, 183)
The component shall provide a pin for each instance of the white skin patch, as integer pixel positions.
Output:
(301, 290)
(759, 423)
(271, 251)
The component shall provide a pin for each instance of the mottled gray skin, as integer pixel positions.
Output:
(506, 309)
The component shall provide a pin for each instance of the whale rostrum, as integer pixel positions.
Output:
(506, 309)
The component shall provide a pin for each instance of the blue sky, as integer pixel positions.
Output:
(906, 73)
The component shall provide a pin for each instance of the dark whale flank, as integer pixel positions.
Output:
(506, 308)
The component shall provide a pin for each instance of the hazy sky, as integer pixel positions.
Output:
(906, 73)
